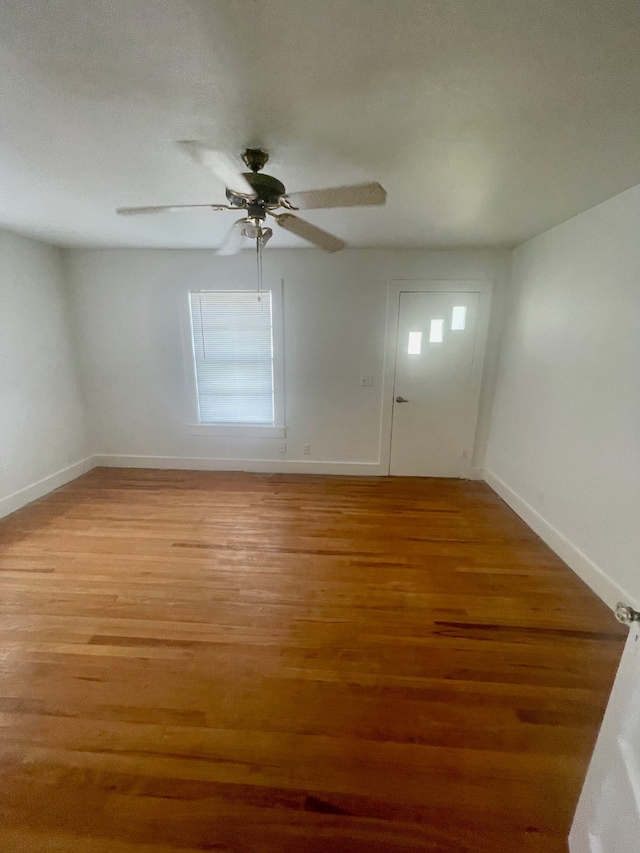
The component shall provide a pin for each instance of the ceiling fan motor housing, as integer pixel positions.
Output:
(268, 191)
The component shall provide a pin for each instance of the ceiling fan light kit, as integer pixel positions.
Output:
(262, 195)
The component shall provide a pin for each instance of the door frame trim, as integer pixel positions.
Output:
(399, 286)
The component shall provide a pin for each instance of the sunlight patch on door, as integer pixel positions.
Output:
(459, 318)
(415, 343)
(436, 333)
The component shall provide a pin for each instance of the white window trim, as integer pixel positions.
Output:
(238, 430)
(278, 430)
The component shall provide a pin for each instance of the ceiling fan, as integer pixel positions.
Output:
(262, 195)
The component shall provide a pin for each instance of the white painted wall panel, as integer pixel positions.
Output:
(128, 306)
(565, 435)
(42, 428)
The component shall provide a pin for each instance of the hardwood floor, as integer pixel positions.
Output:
(208, 661)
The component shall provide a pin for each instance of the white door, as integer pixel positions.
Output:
(433, 400)
(608, 816)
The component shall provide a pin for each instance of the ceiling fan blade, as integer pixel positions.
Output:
(169, 208)
(321, 239)
(232, 243)
(222, 166)
(354, 196)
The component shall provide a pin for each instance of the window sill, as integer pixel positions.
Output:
(237, 431)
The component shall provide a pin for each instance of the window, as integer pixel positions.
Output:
(436, 332)
(458, 318)
(233, 348)
(415, 343)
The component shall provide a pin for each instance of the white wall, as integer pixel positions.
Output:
(128, 306)
(42, 429)
(564, 447)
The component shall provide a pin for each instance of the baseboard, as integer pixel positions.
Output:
(42, 487)
(258, 466)
(597, 579)
(476, 474)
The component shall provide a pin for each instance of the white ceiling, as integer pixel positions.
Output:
(487, 121)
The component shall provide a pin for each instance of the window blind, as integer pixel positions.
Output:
(233, 350)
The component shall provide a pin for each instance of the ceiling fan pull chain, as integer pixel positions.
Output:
(259, 264)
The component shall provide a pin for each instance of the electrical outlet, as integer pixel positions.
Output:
(282, 447)
(366, 381)
(306, 449)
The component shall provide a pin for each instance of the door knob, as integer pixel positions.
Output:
(626, 614)
(401, 400)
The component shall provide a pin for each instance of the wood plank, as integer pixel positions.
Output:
(225, 661)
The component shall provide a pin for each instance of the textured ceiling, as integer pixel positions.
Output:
(487, 121)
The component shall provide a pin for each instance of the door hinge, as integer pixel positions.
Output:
(626, 614)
